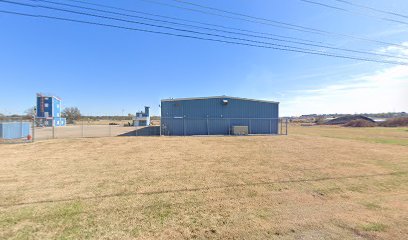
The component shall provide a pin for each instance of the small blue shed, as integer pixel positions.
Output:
(14, 130)
(218, 116)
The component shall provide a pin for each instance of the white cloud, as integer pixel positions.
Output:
(395, 50)
(383, 91)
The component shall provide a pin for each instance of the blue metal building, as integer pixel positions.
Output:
(49, 111)
(217, 116)
(15, 130)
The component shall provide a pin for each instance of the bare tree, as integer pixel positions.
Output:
(30, 111)
(71, 114)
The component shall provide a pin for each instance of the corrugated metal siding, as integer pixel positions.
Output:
(211, 116)
(15, 130)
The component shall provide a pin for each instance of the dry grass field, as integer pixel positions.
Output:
(396, 136)
(316, 183)
(78, 131)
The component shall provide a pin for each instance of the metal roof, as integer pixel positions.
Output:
(48, 96)
(204, 98)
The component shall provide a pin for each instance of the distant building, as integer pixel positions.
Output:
(142, 118)
(48, 112)
(221, 115)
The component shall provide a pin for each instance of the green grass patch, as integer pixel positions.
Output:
(135, 232)
(7, 220)
(263, 213)
(372, 206)
(68, 211)
(374, 227)
(25, 233)
(159, 211)
(402, 142)
(252, 193)
(68, 218)
(392, 141)
(24, 223)
(392, 136)
(357, 188)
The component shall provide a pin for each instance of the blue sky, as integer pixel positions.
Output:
(106, 71)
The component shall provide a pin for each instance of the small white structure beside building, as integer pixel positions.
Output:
(142, 118)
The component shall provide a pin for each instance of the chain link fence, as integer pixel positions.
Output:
(187, 126)
(27, 129)
(87, 129)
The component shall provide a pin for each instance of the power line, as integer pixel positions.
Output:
(350, 11)
(192, 21)
(317, 31)
(159, 26)
(246, 15)
(279, 22)
(201, 38)
(270, 22)
(229, 32)
(372, 9)
(181, 24)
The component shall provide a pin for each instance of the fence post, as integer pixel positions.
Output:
(53, 129)
(160, 129)
(270, 126)
(281, 126)
(21, 128)
(33, 137)
(110, 130)
(82, 128)
(250, 127)
(286, 126)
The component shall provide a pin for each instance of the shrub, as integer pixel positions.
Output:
(360, 123)
(395, 122)
(71, 114)
(320, 121)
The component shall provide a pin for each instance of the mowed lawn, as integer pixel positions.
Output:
(396, 136)
(316, 183)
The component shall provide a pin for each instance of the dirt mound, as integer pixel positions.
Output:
(347, 119)
(395, 122)
(360, 123)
